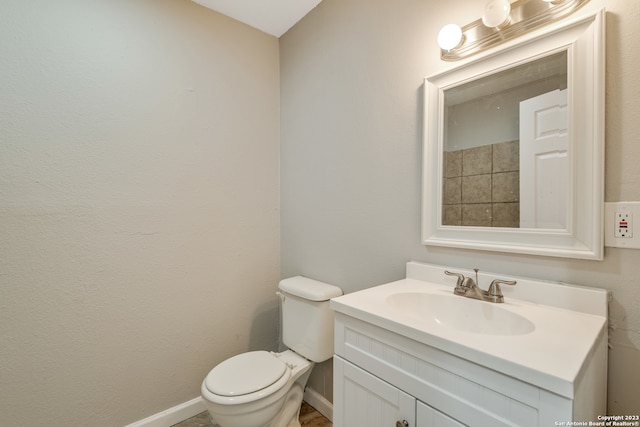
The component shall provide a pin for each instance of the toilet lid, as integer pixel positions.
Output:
(245, 373)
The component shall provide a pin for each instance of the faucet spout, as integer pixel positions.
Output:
(470, 289)
(474, 291)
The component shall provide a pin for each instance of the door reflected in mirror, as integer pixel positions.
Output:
(505, 148)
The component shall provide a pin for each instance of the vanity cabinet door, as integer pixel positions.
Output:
(429, 417)
(363, 400)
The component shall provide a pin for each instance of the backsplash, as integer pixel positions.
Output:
(481, 186)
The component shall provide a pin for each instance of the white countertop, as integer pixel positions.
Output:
(550, 357)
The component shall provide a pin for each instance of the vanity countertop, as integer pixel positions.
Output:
(551, 355)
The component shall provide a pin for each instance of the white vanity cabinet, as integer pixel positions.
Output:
(369, 401)
(381, 377)
(429, 417)
(390, 367)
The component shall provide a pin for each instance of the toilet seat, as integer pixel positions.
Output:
(246, 377)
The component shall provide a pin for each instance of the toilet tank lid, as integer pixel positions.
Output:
(310, 289)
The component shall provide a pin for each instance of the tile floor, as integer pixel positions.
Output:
(309, 417)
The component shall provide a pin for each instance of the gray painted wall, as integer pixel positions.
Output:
(351, 134)
(139, 224)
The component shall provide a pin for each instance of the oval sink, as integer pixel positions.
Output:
(460, 313)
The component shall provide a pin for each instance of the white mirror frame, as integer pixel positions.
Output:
(583, 40)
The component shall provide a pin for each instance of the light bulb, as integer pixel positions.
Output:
(496, 13)
(450, 37)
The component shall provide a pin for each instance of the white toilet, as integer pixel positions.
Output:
(264, 389)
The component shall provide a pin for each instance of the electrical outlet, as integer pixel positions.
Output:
(623, 226)
(618, 225)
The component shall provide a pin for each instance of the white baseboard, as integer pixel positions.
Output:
(186, 410)
(172, 416)
(319, 403)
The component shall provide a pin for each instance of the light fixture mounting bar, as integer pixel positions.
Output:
(526, 15)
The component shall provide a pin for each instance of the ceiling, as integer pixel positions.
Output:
(273, 17)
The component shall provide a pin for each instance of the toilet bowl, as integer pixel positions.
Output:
(257, 389)
(265, 389)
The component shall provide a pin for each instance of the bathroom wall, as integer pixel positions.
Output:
(351, 95)
(139, 209)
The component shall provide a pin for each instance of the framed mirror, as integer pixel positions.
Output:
(514, 147)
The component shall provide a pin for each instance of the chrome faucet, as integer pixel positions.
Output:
(469, 288)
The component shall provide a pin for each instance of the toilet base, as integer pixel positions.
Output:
(290, 408)
(287, 416)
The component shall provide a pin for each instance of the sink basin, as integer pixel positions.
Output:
(460, 313)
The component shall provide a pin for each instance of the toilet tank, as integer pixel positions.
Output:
(307, 320)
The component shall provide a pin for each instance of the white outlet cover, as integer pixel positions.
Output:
(610, 224)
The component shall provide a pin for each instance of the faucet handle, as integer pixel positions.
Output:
(459, 275)
(462, 285)
(494, 288)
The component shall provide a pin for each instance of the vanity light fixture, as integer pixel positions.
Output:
(450, 37)
(497, 14)
(501, 21)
